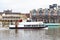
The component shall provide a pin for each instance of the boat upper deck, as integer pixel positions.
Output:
(30, 23)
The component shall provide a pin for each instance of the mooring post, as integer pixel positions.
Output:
(16, 24)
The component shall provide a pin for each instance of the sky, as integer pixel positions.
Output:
(24, 6)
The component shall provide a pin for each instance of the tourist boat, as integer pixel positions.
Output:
(28, 25)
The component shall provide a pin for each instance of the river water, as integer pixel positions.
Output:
(30, 34)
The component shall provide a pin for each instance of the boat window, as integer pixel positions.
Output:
(27, 25)
(41, 25)
(34, 25)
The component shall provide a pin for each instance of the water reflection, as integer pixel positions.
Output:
(16, 31)
(30, 34)
(4, 35)
(54, 33)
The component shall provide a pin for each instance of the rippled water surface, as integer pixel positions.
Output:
(30, 34)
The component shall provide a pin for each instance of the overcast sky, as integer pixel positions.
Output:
(25, 6)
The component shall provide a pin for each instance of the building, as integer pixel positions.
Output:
(55, 6)
(51, 15)
(8, 17)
